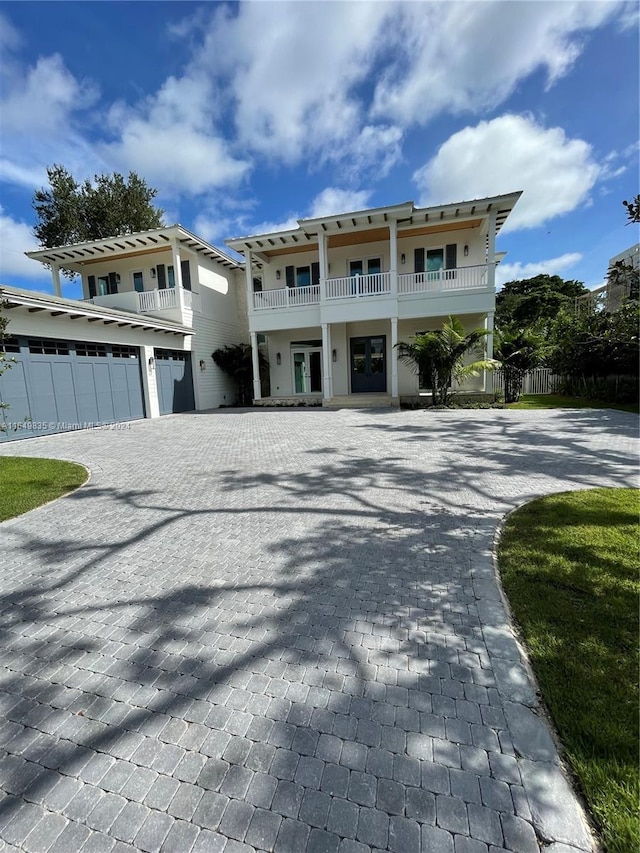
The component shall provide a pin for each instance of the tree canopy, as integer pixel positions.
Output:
(633, 209)
(535, 301)
(69, 212)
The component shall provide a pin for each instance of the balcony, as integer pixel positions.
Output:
(351, 288)
(151, 301)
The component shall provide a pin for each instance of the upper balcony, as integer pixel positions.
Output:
(160, 302)
(350, 288)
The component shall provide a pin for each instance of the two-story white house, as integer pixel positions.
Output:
(155, 305)
(333, 296)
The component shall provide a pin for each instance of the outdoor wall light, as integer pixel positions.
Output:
(403, 258)
(278, 274)
(152, 362)
(278, 358)
(466, 251)
(153, 272)
(334, 355)
(203, 366)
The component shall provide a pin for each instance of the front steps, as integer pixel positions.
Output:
(362, 401)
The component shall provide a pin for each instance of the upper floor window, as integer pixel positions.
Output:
(138, 282)
(171, 277)
(103, 285)
(303, 276)
(365, 266)
(433, 260)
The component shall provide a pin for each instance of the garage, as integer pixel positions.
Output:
(60, 385)
(174, 380)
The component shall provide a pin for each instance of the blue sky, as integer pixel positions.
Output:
(248, 116)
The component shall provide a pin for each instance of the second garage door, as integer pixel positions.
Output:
(174, 380)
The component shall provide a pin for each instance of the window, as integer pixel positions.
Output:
(435, 259)
(9, 345)
(90, 349)
(103, 285)
(371, 265)
(41, 346)
(257, 285)
(124, 351)
(171, 355)
(138, 282)
(303, 276)
(171, 277)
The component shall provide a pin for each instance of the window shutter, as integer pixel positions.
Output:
(451, 256)
(162, 277)
(186, 274)
(113, 283)
(418, 260)
(315, 273)
(290, 276)
(91, 281)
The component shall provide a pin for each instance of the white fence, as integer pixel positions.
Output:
(538, 381)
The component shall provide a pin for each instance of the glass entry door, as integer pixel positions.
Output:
(307, 371)
(368, 365)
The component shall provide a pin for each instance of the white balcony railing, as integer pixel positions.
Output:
(287, 297)
(438, 281)
(359, 285)
(158, 300)
(377, 284)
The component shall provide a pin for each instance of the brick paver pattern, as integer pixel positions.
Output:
(264, 631)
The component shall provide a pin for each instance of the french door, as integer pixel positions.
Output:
(307, 371)
(369, 365)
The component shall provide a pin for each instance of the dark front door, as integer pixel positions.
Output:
(368, 365)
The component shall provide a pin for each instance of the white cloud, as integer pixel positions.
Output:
(511, 153)
(448, 59)
(552, 266)
(333, 200)
(171, 139)
(16, 238)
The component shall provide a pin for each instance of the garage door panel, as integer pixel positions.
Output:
(86, 391)
(136, 403)
(64, 391)
(43, 398)
(13, 391)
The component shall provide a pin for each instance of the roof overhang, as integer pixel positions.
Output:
(74, 256)
(12, 297)
(410, 220)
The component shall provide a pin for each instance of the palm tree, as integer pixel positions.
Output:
(236, 361)
(438, 357)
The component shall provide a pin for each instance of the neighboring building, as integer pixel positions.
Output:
(156, 305)
(622, 283)
(335, 295)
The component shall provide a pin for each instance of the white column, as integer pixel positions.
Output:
(488, 324)
(177, 273)
(255, 361)
(327, 378)
(491, 251)
(393, 256)
(394, 357)
(149, 384)
(249, 280)
(324, 263)
(55, 276)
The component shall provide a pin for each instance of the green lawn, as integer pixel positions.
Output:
(558, 401)
(26, 483)
(569, 566)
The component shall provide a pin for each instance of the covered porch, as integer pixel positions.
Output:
(350, 363)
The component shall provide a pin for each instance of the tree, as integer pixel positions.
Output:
(236, 361)
(517, 351)
(68, 212)
(598, 354)
(633, 210)
(438, 357)
(535, 301)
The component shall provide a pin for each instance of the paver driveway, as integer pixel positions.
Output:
(281, 631)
